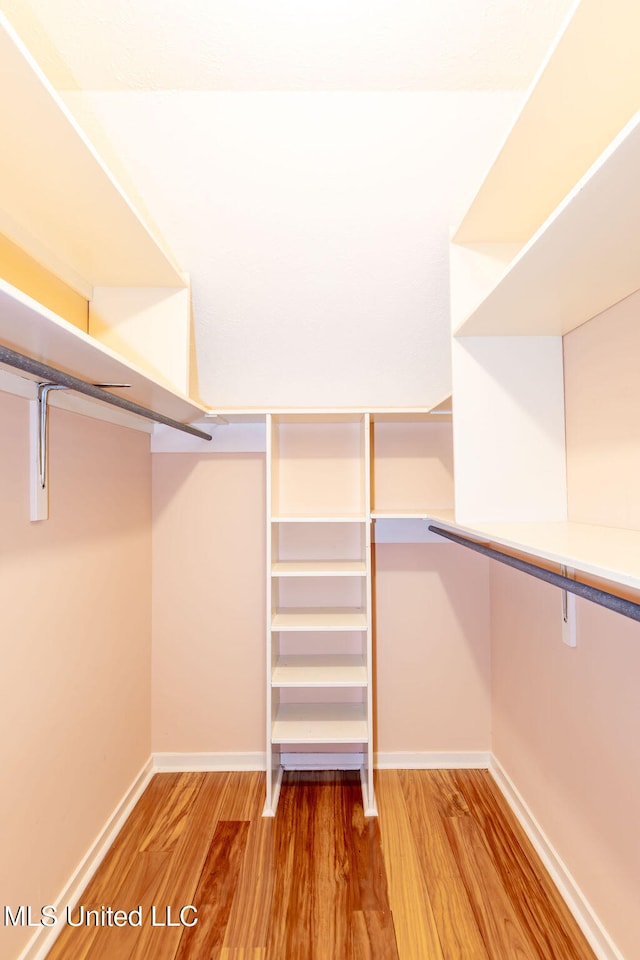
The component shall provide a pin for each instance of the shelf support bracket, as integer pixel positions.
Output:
(39, 443)
(569, 634)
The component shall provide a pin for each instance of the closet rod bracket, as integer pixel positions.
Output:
(40, 445)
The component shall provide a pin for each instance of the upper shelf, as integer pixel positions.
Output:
(584, 93)
(59, 200)
(607, 553)
(29, 328)
(584, 259)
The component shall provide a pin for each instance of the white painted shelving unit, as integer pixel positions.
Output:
(319, 625)
(61, 205)
(335, 477)
(528, 265)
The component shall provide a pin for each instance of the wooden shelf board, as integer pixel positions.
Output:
(319, 568)
(320, 723)
(584, 93)
(319, 618)
(439, 411)
(31, 329)
(59, 200)
(400, 514)
(319, 671)
(584, 259)
(315, 518)
(608, 553)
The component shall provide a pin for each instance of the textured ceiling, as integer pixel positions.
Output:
(288, 45)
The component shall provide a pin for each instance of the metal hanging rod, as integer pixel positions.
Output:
(53, 376)
(609, 600)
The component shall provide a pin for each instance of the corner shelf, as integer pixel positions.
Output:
(581, 261)
(60, 202)
(28, 327)
(67, 214)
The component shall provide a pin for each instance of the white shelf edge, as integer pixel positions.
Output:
(320, 723)
(319, 670)
(30, 328)
(545, 254)
(45, 105)
(319, 619)
(575, 104)
(319, 568)
(314, 518)
(607, 553)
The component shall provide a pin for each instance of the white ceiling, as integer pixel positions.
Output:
(288, 45)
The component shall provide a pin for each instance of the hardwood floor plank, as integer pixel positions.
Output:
(540, 908)
(215, 892)
(365, 856)
(374, 936)
(455, 921)
(432, 843)
(138, 890)
(492, 907)
(290, 873)
(241, 953)
(163, 831)
(245, 796)
(185, 867)
(248, 924)
(101, 889)
(458, 930)
(334, 877)
(413, 919)
(449, 799)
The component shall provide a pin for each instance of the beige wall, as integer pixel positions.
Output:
(565, 728)
(74, 677)
(432, 689)
(208, 603)
(602, 406)
(209, 635)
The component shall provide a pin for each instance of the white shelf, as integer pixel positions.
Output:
(319, 618)
(29, 328)
(607, 553)
(330, 518)
(319, 568)
(584, 93)
(59, 200)
(319, 670)
(584, 258)
(320, 723)
(400, 514)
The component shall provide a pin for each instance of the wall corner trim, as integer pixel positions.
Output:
(583, 913)
(40, 945)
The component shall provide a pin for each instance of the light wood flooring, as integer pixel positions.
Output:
(444, 873)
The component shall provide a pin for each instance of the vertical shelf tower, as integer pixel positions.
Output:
(319, 674)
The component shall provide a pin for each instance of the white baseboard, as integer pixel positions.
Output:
(40, 945)
(598, 938)
(426, 760)
(432, 760)
(203, 762)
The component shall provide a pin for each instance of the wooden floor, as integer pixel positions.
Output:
(444, 873)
